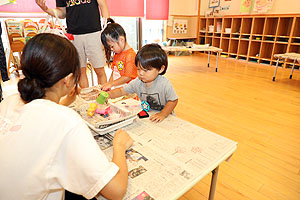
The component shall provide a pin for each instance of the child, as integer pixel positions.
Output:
(53, 144)
(154, 90)
(123, 68)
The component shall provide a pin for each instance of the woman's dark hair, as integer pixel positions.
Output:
(112, 32)
(46, 59)
(152, 56)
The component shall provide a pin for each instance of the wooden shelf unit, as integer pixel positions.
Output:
(254, 38)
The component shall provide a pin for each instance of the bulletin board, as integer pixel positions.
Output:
(182, 27)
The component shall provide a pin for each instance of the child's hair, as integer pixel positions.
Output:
(152, 56)
(46, 59)
(111, 33)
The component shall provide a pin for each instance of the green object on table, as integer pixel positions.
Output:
(102, 97)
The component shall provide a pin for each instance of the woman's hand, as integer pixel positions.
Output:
(122, 139)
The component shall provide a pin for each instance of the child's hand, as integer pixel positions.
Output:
(106, 86)
(158, 117)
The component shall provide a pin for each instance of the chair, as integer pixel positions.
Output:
(16, 43)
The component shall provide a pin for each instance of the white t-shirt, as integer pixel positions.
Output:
(46, 148)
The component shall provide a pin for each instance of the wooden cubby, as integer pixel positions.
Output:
(254, 38)
(233, 46)
(218, 25)
(236, 25)
(254, 49)
(225, 45)
(270, 26)
(258, 25)
(243, 48)
(202, 25)
(246, 25)
(285, 26)
(296, 30)
(294, 48)
(280, 48)
(216, 42)
(266, 50)
(208, 40)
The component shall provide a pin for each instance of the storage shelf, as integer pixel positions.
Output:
(254, 38)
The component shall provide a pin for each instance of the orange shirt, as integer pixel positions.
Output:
(124, 64)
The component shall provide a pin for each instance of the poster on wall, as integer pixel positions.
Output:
(263, 6)
(246, 6)
(4, 2)
(214, 3)
(180, 26)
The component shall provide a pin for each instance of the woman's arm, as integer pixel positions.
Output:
(61, 11)
(103, 8)
(117, 187)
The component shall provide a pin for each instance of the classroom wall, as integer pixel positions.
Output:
(279, 7)
(183, 7)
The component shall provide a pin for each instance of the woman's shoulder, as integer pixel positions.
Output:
(54, 111)
(10, 104)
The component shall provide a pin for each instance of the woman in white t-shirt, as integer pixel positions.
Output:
(46, 148)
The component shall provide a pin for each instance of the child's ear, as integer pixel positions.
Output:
(122, 39)
(162, 69)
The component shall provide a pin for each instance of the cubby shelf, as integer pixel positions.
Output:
(253, 38)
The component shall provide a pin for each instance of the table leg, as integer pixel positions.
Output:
(208, 59)
(213, 183)
(89, 66)
(218, 54)
(292, 69)
(275, 69)
(9, 61)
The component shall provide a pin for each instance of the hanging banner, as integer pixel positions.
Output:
(263, 6)
(126, 8)
(246, 6)
(157, 9)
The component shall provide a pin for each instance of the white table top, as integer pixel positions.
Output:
(293, 56)
(173, 156)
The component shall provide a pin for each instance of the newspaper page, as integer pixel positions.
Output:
(168, 158)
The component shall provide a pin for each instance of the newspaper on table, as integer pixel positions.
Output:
(168, 158)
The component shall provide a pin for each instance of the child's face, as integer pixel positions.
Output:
(116, 46)
(148, 75)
